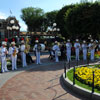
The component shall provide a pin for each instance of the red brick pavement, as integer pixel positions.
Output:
(41, 83)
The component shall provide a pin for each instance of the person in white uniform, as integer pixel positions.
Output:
(68, 50)
(37, 49)
(23, 54)
(13, 50)
(92, 50)
(56, 49)
(84, 48)
(77, 48)
(3, 53)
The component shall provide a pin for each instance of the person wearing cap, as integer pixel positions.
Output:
(13, 50)
(23, 54)
(56, 49)
(68, 50)
(84, 47)
(3, 53)
(77, 47)
(92, 50)
(37, 49)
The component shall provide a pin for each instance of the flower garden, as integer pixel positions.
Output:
(84, 77)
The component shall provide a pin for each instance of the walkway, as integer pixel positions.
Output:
(38, 82)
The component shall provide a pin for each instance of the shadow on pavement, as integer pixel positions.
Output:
(70, 91)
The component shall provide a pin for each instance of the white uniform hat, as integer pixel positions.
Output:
(91, 40)
(96, 41)
(13, 43)
(22, 41)
(36, 41)
(68, 40)
(3, 42)
(56, 42)
(77, 40)
(84, 41)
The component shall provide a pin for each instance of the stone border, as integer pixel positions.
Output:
(79, 90)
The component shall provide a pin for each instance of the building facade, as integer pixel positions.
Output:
(9, 28)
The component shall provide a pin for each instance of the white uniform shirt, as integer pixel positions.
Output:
(22, 48)
(68, 46)
(3, 50)
(84, 46)
(11, 50)
(90, 45)
(35, 48)
(56, 48)
(77, 46)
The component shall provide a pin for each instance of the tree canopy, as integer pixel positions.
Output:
(33, 17)
(83, 20)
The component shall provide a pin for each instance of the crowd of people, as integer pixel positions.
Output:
(67, 49)
(55, 52)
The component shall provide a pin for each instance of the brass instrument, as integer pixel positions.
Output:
(93, 46)
(15, 52)
(27, 48)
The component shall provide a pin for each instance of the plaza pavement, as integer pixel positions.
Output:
(36, 82)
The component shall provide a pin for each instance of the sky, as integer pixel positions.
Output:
(15, 7)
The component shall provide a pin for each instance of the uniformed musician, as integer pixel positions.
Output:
(84, 48)
(23, 54)
(77, 48)
(13, 50)
(68, 50)
(56, 49)
(3, 53)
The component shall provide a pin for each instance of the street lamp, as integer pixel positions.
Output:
(12, 21)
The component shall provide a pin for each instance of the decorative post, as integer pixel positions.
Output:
(65, 69)
(87, 56)
(69, 64)
(93, 83)
(77, 61)
(74, 75)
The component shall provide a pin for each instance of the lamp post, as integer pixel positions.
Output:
(54, 30)
(11, 28)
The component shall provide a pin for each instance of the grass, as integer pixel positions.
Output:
(70, 77)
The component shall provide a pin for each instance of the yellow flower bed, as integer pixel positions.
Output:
(85, 75)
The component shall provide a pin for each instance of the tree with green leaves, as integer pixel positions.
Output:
(51, 17)
(60, 20)
(33, 17)
(83, 20)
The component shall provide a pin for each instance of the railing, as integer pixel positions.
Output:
(74, 75)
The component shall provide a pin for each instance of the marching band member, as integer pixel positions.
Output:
(23, 54)
(56, 49)
(13, 50)
(77, 47)
(37, 49)
(84, 47)
(3, 53)
(68, 48)
(27, 51)
(92, 50)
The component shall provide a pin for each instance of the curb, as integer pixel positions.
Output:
(79, 90)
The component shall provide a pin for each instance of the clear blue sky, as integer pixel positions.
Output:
(16, 5)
